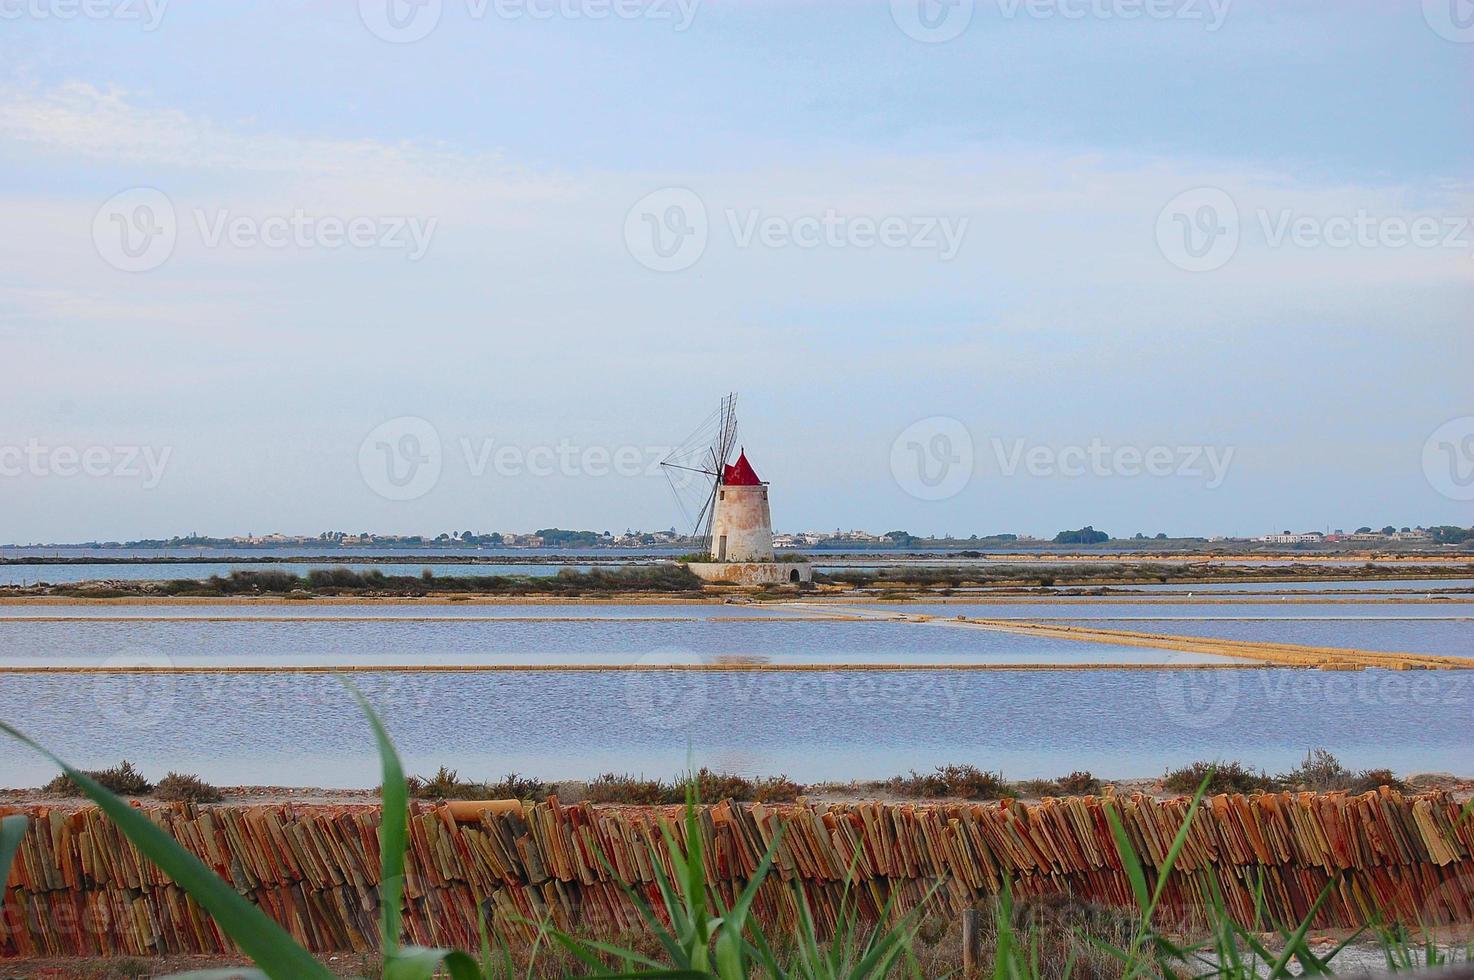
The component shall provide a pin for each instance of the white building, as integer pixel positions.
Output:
(1288, 538)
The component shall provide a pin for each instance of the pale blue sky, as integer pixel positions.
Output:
(1051, 144)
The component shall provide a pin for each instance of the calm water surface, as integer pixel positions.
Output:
(304, 729)
(515, 642)
(396, 610)
(59, 574)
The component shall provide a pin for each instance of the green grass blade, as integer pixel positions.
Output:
(1178, 843)
(1348, 941)
(734, 922)
(393, 828)
(12, 829)
(763, 953)
(537, 943)
(675, 905)
(585, 949)
(695, 865)
(419, 963)
(1295, 944)
(1129, 860)
(576, 948)
(268, 945)
(664, 972)
(1227, 949)
(730, 953)
(664, 936)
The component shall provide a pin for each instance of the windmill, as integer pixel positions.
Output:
(694, 469)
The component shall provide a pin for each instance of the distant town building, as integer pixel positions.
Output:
(1285, 537)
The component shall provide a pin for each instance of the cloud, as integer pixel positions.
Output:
(528, 278)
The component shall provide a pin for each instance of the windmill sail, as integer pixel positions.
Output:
(694, 468)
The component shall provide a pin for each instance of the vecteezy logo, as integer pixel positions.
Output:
(1447, 905)
(932, 21)
(1448, 458)
(670, 698)
(400, 21)
(135, 688)
(401, 459)
(1198, 230)
(932, 459)
(135, 230)
(1452, 20)
(1198, 698)
(666, 229)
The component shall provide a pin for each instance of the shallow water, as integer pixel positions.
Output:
(1048, 608)
(139, 572)
(395, 610)
(304, 729)
(506, 643)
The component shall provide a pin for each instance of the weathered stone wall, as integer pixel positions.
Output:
(742, 524)
(753, 572)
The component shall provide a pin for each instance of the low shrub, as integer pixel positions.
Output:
(514, 786)
(961, 781)
(1370, 779)
(1322, 771)
(635, 790)
(1038, 787)
(776, 789)
(926, 785)
(184, 788)
(1319, 770)
(716, 786)
(446, 784)
(1078, 783)
(122, 779)
(711, 787)
(1227, 777)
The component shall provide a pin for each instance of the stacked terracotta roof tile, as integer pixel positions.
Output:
(79, 887)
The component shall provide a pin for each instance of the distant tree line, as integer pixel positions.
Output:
(1085, 535)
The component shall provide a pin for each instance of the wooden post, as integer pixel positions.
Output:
(971, 940)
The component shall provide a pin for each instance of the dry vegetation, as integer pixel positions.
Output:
(1319, 771)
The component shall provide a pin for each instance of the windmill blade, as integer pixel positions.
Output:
(681, 503)
(692, 453)
(704, 519)
(727, 431)
(694, 468)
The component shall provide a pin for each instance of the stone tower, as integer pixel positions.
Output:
(742, 525)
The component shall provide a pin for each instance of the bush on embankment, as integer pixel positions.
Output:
(662, 579)
(125, 779)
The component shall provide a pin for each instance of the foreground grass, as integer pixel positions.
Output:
(690, 933)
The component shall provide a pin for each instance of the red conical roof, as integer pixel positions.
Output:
(740, 473)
